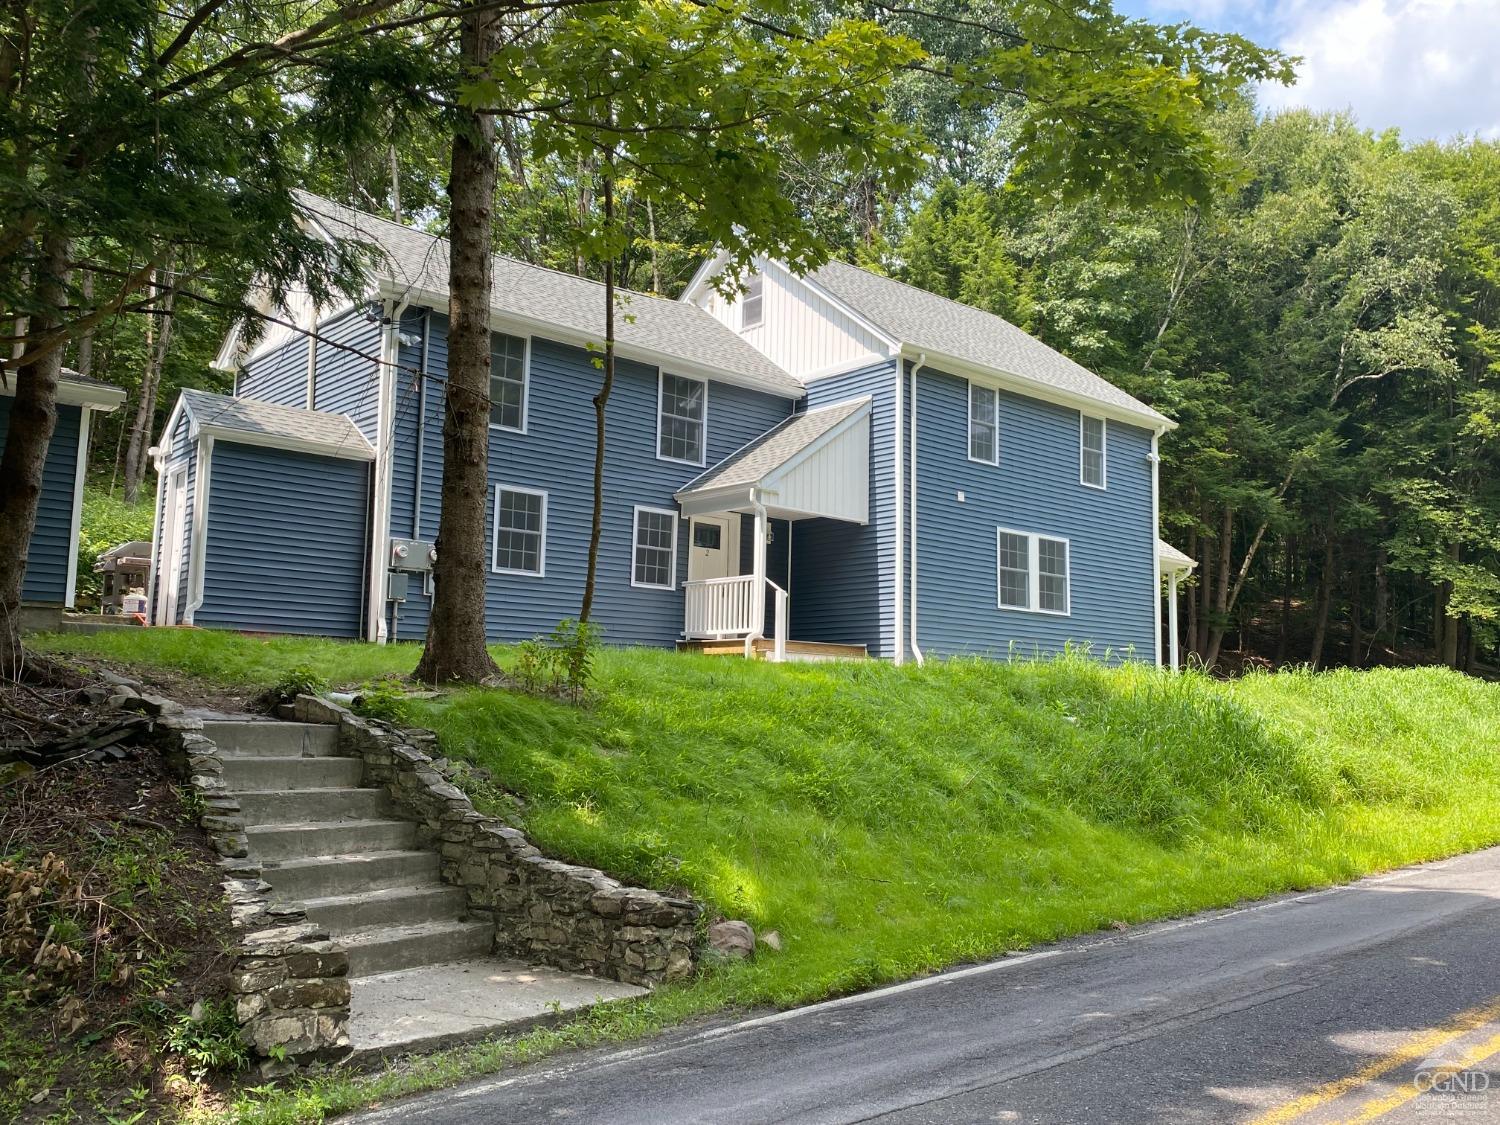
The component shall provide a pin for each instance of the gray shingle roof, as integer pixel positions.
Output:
(670, 329)
(927, 322)
(1170, 558)
(256, 419)
(774, 448)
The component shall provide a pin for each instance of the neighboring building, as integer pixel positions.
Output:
(754, 462)
(52, 560)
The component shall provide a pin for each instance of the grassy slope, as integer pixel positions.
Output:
(888, 821)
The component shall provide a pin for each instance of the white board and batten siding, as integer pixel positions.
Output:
(832, 481)
(800, 331)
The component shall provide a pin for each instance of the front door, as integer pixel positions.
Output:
(713, 547)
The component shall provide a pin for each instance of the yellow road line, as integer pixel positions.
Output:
(1415, 1049)
(1381, 1106)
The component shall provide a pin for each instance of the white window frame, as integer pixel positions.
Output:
(1103, 451)
(755, 290)
(525, 386)
(1034, 574)
(969, 433)
(635, 544)
(661, 392)
(541, 554)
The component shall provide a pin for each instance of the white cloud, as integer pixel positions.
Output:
(1428, 67)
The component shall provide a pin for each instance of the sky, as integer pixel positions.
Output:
(1428, 67)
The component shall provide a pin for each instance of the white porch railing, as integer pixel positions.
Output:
(725, 608)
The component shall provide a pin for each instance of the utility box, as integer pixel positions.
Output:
(414, 556)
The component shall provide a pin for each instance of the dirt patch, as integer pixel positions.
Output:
(114, 943)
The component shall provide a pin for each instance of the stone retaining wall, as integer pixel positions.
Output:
(289, 979)
(544, 910)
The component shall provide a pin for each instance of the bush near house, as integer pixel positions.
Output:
(892, 821)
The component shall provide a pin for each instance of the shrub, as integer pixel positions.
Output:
(562, 663)
(300, 679)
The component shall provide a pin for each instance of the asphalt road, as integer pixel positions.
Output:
(1376, 1001)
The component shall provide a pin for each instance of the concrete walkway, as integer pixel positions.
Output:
(1310, 1008)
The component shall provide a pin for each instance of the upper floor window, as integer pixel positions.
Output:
(520, 544)
(1091, 451)
(508, 382)
(1032, 572)
(984, 425)
(682, 407)
(752, 304)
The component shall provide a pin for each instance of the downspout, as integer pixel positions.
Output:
(198, 541)
(758, 568)
(1155, 460)
(899, 476)
(916, 649)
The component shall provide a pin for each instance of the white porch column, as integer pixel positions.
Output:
(762, 526)
(1172, 615)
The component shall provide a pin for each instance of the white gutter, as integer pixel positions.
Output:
(900, 476)
(1155, 459)
(916, 649)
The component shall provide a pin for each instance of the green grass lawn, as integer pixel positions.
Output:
(891, 821)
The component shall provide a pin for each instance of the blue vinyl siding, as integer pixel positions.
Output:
(556, 456)
(279, 376)
(843, 574)
(46, 578)
(285, 548)
(1034, 488)
(345, 381)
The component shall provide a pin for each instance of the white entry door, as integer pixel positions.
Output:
(713, 547)
(168, 582)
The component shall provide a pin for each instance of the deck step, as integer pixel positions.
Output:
(798, 651)
(256, 773)
(393, 906)
(291, 806)
(317, 838)
(384, 949)
(238, 739)
(296, 880)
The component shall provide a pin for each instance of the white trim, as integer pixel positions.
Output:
(541, 554)
(973, 386)
(100, 397)
(635, 532)
(156, 537)
(848, 310)
(1155, 459)
(916, 649)
(200, 527)
(899, 466)
(848, 366)
(376, 628)
(1034, 573)
(80, 469)
(661, 381)
(342, 450)
(1083, 417)
(525, 384)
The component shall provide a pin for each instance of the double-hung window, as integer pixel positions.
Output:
(1032, 572)
(508, 382)
(984, 424)
(753, 303)
(520, 543)
(654, 557)
(1091, 450)
(682, 406)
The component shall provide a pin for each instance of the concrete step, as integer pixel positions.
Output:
(291, 806)
(249, 774)
(264, 739)
(314, 838)
(296, 880)
(439, 1005)
(394, 906)
(384, 949)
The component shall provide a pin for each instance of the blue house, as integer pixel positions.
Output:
(830, 460)
(51, 577)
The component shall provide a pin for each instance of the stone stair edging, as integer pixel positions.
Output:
(290, 978)
(544, 910)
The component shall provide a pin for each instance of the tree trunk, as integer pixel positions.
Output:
(85, 360)
(395, 183)
(1356, 615)
(145, 407)
(455, 648)
(1221, 594)
(601, 400)
(1288, 568)
(33, 417)
(1382, 600)
(1205, 598)
(1325, 597)
(1449, 653)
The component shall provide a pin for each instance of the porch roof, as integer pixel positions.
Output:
(816, 463)
(1169, 558)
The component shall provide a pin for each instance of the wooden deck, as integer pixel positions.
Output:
(803, 651)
